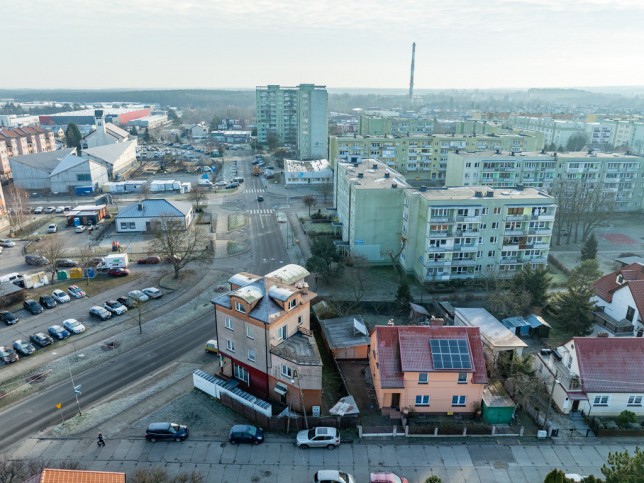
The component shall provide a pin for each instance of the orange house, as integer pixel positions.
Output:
(428, 369)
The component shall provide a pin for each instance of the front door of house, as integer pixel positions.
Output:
(575, 405)
(395, 400)
(148, 226)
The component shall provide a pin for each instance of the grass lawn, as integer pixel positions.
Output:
(236, 221)
(559, 278)
(233, 247)
(558, 333)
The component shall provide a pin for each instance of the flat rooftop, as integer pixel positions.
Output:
(549, 155)
(470, 193)
(372, 174)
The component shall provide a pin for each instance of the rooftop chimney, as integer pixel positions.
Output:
(140, 206)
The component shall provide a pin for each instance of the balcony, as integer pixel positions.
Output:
(465, 248)
(438, 263)
(440, 234)
(463, 262)
(514, 232)
(468, 219)
(515, 218)
(540, 231)
(544, 217)
(441, 219)
(533, 260)
(508, 260)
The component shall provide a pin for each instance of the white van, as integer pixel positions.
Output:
(204, 182)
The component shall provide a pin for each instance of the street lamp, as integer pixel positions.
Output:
(75, 388)
(296, 376)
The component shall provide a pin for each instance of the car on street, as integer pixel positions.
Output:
(66, 262)
(386, 478)
(8, 355)
(38, 210)
(165, 431)
(32, 306)
(149, 260)
(60, 209)
(37, 260)
(76, 292)
(116, 307)
(152, 292)
(260, 198)
(53, 228)
(221, 183)
(74, 326)
(58, 332)
(129, 302)
(333, 476)
(99, 312)
(50, 209)
(320, 437)
(211, 346)
(231, 186)
(80, 228)
(23, 347)
(7, 243)
(60, 296)
(244, 433)
(118, 272)
(47, 301)
(8, 318)
(41, 339)
(138, 296)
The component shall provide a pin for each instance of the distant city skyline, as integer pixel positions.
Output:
(468, 44)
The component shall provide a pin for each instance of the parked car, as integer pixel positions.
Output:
(67, 208)
(8, 318)
(244, 433)
(138, 296)
(38, 210)
(47, 301)
(76, 292)
(149, 260)
(23, 347)
(60, 296)
(99, 312)
(74, 326)
(386, 478)
(32, 306)
(116, 307)
(7, 243)
(60, 209)
(128, 302)
(118, 272)
(58, 332)
(160, 431)
(66, 262)
(50, 209)
(41, 339)
(37, 260)
(333, 476)
(231, 186)
(152, 292)
(7, 354)
(53, 228)
(322, 436)
(211, 346)
(221, 183)
(80, 228)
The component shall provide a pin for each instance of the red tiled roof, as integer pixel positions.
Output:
(407, 349)
(633, 276)
(610, 364)
(77, 476)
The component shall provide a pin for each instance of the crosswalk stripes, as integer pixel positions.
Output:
(255, 190)
(260, 212)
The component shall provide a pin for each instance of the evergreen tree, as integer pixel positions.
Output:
(534, 281)
(573, 308)
(403, 294)
(589, 250)
(624, 468)
(73, 137)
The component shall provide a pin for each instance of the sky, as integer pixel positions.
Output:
(460, 44)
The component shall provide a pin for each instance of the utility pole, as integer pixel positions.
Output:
(411, 80)
(552, 391)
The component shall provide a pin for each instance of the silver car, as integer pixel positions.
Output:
(321, 436)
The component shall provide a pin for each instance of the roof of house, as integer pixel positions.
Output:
(289, 274)
(341, 332)
(49, 475)
(407, 349)
(632, 276)
(68, 162)
(492, 331)
(610, 364)
(122, 133)
(46, 161)
(155, 208)
(495, 396)
(110, 152)
(300, 349)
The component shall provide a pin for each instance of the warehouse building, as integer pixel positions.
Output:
(119, 116)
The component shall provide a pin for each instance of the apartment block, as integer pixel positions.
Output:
(425, 155)
(621, 174)
(296, 115)
(472, 232)
(22, 141)
(399, 126)
(264, 337)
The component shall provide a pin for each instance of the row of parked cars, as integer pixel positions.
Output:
(50, 209)
(69, 326)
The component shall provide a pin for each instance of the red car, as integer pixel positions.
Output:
(146, 260)
(119, 272)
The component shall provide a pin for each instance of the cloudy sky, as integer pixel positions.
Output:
(339, 43)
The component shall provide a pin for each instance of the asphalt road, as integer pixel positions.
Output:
(39, 412)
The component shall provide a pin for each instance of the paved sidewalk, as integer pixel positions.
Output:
(278, 460)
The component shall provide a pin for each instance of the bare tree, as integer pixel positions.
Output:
(326, 189)
(52, 249)
(16, 198)
(197, 196)
(179, 244)
(359, 266)
(84, 255)
(394, 258)
(145, 190)
(309, 200)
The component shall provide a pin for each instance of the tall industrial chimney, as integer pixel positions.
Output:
(411, 80)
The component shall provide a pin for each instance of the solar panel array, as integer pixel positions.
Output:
(450, 354)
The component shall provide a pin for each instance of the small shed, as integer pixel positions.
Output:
(538, 326)
(346, 337)
(10, 294)
(418, 314)
(498, 406)
(87, 214)
(518, 325)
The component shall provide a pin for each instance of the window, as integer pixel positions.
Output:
(458, 400)
(229, 323)
(492, 239)
(287, 371)
(422, 400)
(250, 331)
(230, 345)
(83, 177)
(241, 373)
(601, 400)
(630, 313)
(292, 304)
(495, 225)
(124, 225)
(634, 400)
(462, 377)
(422, 378)
(497, 210)
(251, 355)
(282, 333)
(132, 225)
(299, 320)
(239, 307)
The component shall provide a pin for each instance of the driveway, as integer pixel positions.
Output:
(356, 374)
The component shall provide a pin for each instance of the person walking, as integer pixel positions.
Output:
(101, 442)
